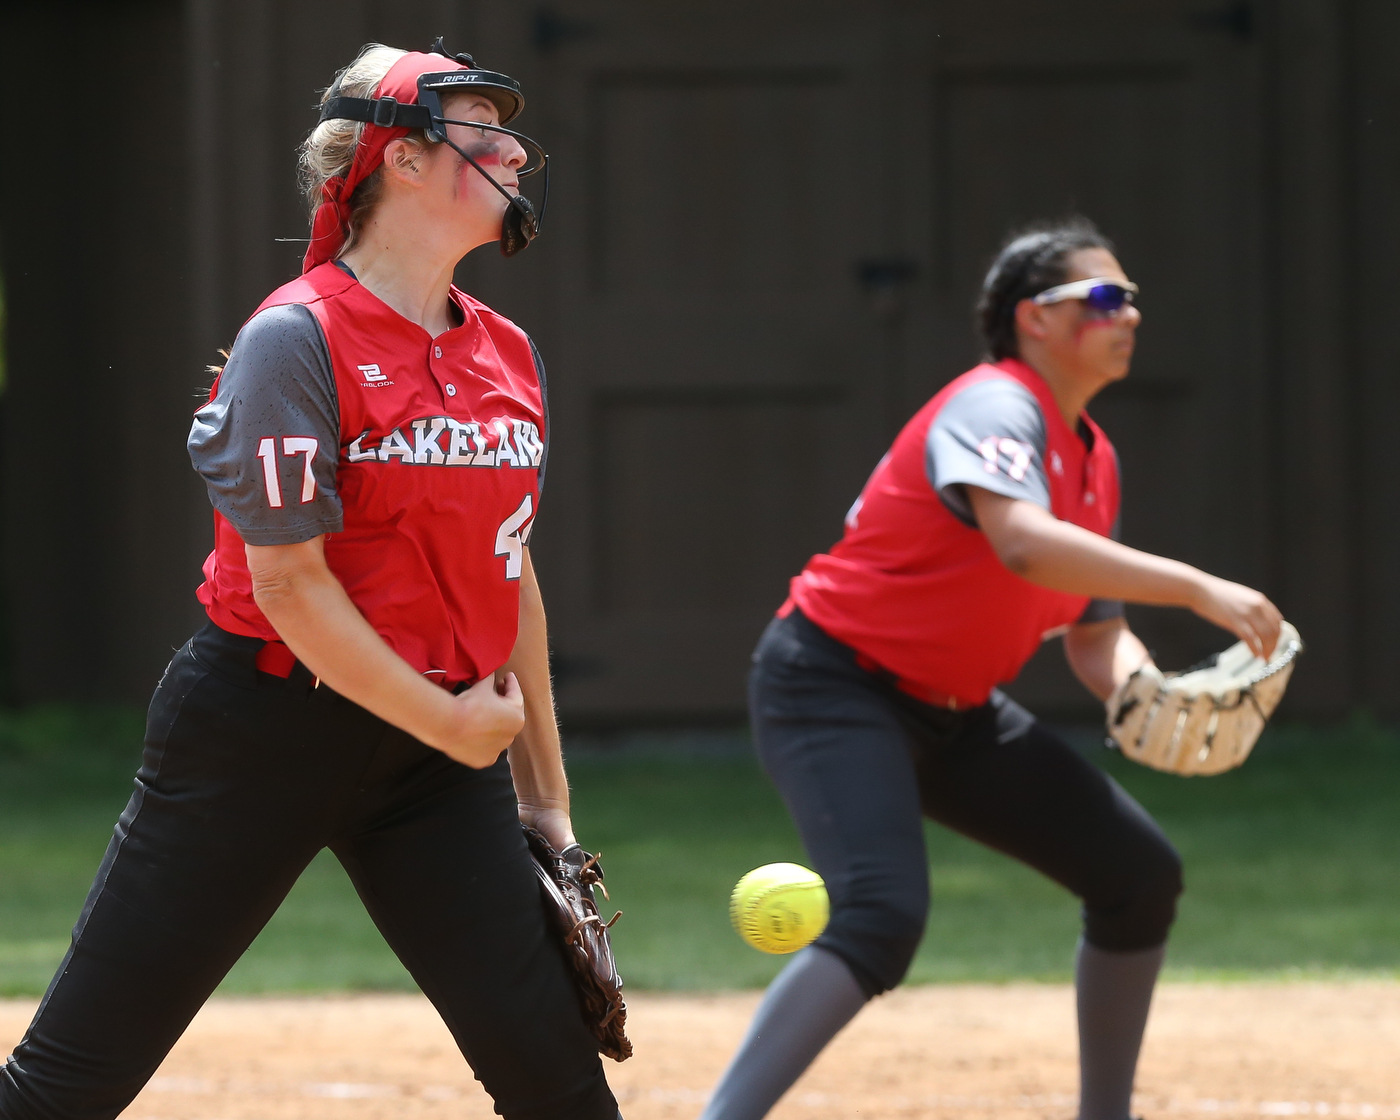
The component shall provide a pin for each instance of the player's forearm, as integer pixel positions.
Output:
(536, 761)
(1065, 557)
(312, 614)
(1039, 547)
(1104, 654)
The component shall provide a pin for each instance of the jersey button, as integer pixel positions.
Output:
(437, 351)
(451, 390)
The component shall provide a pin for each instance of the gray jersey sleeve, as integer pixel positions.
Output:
(268, 444)
(992, 435)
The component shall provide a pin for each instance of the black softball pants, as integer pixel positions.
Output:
(245, 778)
(859, 763)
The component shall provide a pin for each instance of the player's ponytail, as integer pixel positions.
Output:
(330, 148)
(1030, 261)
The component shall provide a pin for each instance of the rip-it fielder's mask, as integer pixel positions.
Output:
(408, 98)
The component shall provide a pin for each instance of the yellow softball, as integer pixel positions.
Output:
(779, 907)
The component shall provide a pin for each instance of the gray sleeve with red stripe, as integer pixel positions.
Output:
(992, 435)
(268, 444)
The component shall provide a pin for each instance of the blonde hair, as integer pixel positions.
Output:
(329, 150)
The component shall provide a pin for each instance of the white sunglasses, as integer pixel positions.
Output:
(1099, 293)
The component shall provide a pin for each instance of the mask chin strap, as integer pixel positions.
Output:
(520, 224)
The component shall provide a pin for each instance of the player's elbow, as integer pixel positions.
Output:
(282, 575)
(1011, 529)
(274, 586)
(1015, 549)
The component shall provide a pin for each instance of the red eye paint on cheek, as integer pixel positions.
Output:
(1089, 321)
(487, 154)
(487, 151)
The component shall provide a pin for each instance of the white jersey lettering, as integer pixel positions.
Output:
(303, 445)
(504, 441)
(426, 448)
(267, 452)
(395, 444)
(510, 541)
(504, 451)
(460, 451)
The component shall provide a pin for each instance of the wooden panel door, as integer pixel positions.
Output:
(771, 221)
(717, 374)
(1142, 115)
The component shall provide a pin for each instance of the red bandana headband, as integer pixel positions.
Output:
(331, 225)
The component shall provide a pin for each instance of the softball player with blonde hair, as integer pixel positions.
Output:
(373, 677)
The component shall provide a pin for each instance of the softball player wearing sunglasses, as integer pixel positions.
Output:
(987, 528)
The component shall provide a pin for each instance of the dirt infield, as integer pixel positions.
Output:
(1273, 1050)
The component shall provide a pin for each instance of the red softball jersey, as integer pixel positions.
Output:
(426, 477)
(915, 587)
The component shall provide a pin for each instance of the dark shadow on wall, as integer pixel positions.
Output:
(6, 686)
(93, 499)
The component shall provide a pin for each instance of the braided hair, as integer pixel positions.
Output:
(1030, 261)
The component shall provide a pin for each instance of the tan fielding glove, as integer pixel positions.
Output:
(1207, 719)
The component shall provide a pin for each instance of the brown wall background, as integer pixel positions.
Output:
(766, 221)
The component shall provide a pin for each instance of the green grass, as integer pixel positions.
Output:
(1293, 866)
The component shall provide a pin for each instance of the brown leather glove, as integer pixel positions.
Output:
(567, 880)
